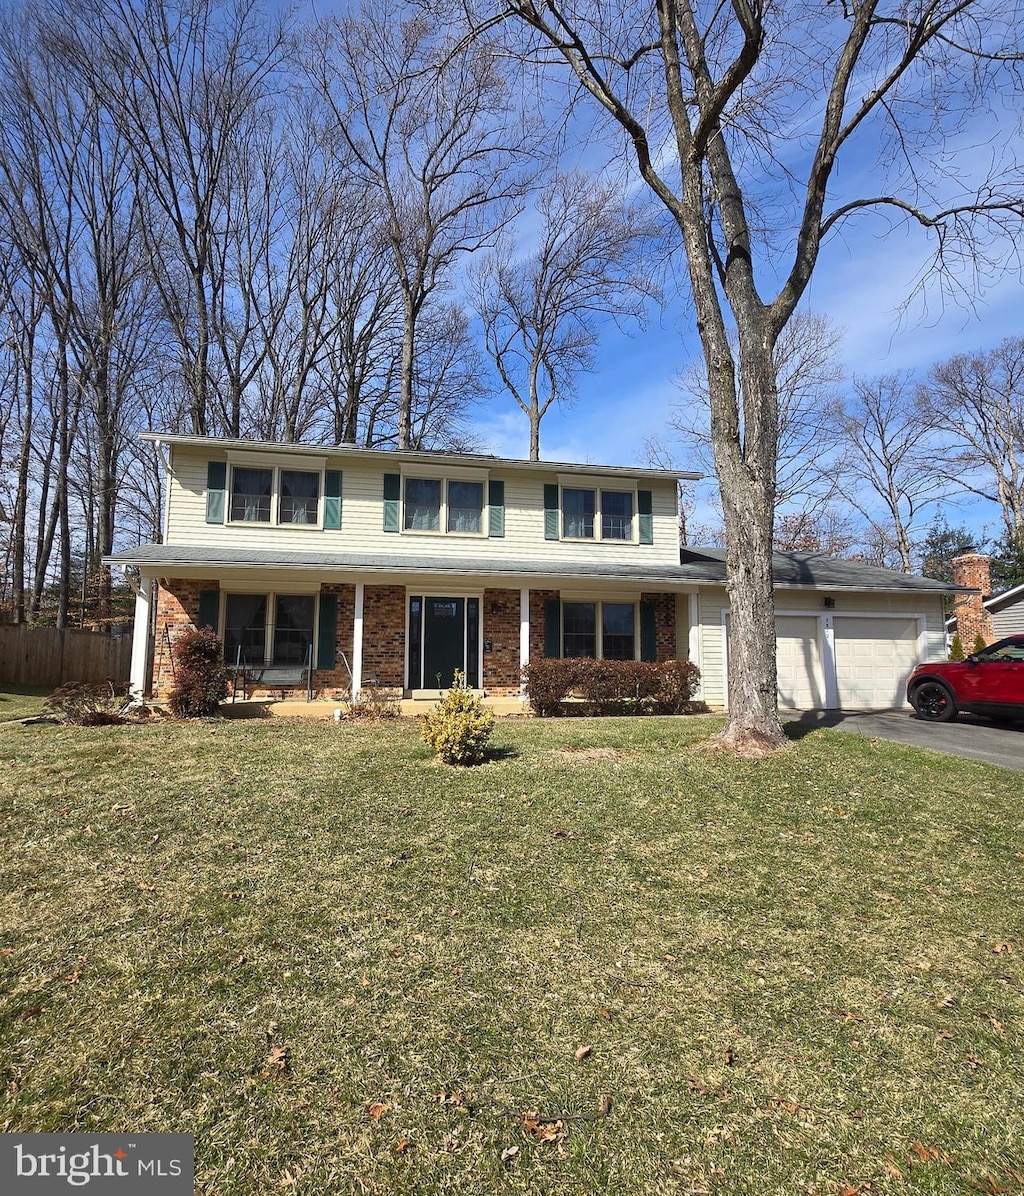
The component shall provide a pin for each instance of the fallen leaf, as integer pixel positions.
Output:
(146, 888)
(402, 1145)
(278, 1059)
(76, 974)
(730, 1057)
(605, 1014)
(926, 1154)
(542, 1129)
(995, 1023)
(376, 1110)
(697, 1086)
(1003, 949)
(559, 833)
(509, 1153)
(604, 1105)
(582, 1052)
(946, 1002)
(891, 1167)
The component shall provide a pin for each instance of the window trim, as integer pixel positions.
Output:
(598, 487)
(598, 604)
(446, 477)
(276, 469)
(270, 623)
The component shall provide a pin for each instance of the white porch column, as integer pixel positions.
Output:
(357, 643)
(524, 637)
(137, 678)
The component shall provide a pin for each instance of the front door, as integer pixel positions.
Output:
(444, 636)
(444, 640)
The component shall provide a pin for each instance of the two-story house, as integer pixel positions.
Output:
(398, 568)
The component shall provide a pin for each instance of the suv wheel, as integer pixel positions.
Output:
(933, 701)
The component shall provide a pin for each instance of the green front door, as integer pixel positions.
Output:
(444, 640)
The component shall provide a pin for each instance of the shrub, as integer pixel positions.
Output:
(956, 648)
(88, 705)
(980, 643)
(610, 686)
(201, 679)
(373, 705)
(458, 727)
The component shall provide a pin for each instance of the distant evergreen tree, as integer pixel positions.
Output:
(1008, 563)
(941, 544)
(956, 648)
(979, 643)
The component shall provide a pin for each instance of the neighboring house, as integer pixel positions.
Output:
(977, 610)
(1006, 610)
(398, 568)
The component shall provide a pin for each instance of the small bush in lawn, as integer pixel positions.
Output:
(373, 706)
(458, 727)
(201, 679)
(956, 648)
(87, 705)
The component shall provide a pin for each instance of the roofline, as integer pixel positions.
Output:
(995, 601)
(418, 455)
(668, 575)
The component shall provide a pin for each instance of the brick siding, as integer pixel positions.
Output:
(384, 636)
(973, 570)
(500, 627)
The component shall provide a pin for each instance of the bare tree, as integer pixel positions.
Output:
(539, 310)
(428, 123)
(887, 469)
(738, 114)
(808, 369)
(975, 401)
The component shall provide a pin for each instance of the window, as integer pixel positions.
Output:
(601, 630)
(616, 515)
(275, 495)
(422, 504)
(597, 514)
(578, 514)
(300, 496)
(465, 507)
(449, 505)
(284, 621)
(251, 492)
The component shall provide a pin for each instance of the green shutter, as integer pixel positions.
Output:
(644, 510)
(553, 628)
(216, 486)
(209, 609)
(332, 498)
(392, 502)
(648, 632)
(496, 509)
(550, 512)
(327, 633)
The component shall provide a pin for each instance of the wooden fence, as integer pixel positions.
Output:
(46, 656)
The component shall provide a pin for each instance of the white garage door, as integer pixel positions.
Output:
(798, 657)
(873, 660)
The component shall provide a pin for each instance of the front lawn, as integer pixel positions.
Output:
(22, 701)
(598, 963)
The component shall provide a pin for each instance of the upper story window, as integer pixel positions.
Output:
(610, 513)
(445, 505)
(247, 491)
(258, 495)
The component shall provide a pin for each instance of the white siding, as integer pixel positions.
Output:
(362, 521)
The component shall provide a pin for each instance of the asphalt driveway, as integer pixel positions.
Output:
(969, 736)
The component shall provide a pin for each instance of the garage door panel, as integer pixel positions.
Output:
(874, 657)
(798, 661)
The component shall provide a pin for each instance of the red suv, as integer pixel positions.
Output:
(988, 682)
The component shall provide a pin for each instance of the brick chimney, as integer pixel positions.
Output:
(972, 571)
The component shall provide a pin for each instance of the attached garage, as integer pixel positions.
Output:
(874, 657)
(799, 663)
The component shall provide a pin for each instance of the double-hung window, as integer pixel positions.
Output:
(274, 494)
(597, 514)
(449, 505)
(599, 630)
(282, 623)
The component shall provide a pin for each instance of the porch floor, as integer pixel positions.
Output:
(320, 708)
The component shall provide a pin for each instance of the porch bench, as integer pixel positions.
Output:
(271, 676)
